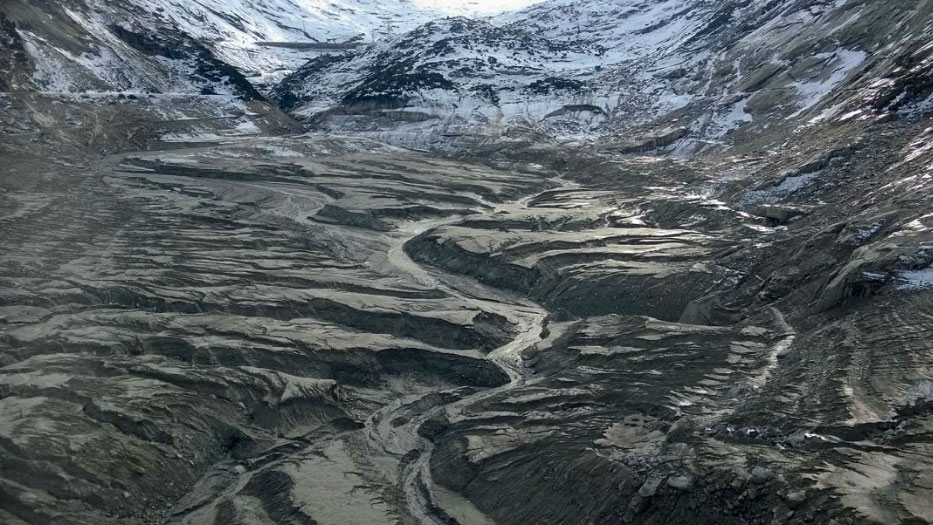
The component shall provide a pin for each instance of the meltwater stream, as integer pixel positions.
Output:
(426, 502)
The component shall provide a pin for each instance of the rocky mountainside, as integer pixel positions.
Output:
(669, 262)
(70, 47)
(236, 29)
(610, 70)
(92, 45)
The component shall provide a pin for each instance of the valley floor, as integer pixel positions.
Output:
(330, 330)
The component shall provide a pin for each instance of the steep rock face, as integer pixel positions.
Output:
(86, 75)
(446, 77)
(615, 70)
(81, 45)
(77, 47)
(235, 30)
(451, 77)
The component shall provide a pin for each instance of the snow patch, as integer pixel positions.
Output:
(864, 235)
(787, 187)
(190, 137)
(247, 128)
(923, 392)
(915, 280)
(840, 63)
(725, 121)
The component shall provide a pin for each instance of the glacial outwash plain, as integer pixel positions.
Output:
(294, 262)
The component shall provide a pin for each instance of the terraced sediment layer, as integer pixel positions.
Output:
(676, 266)
(707, 358)
(189, 335)
(273, 330)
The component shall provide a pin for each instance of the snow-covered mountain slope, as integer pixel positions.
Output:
(232, 28)
(665, 70)
(86, 74)
(447, 74)
(630, 73)
(628, 29)
(76, 47)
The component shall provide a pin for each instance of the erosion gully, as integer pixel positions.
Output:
(393, 431)
(428, 503)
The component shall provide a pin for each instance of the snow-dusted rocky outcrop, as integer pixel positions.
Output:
(685, 75)
(451, 77)
(96, 45)
(627, 71)
(88, 47)
(235, 30)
